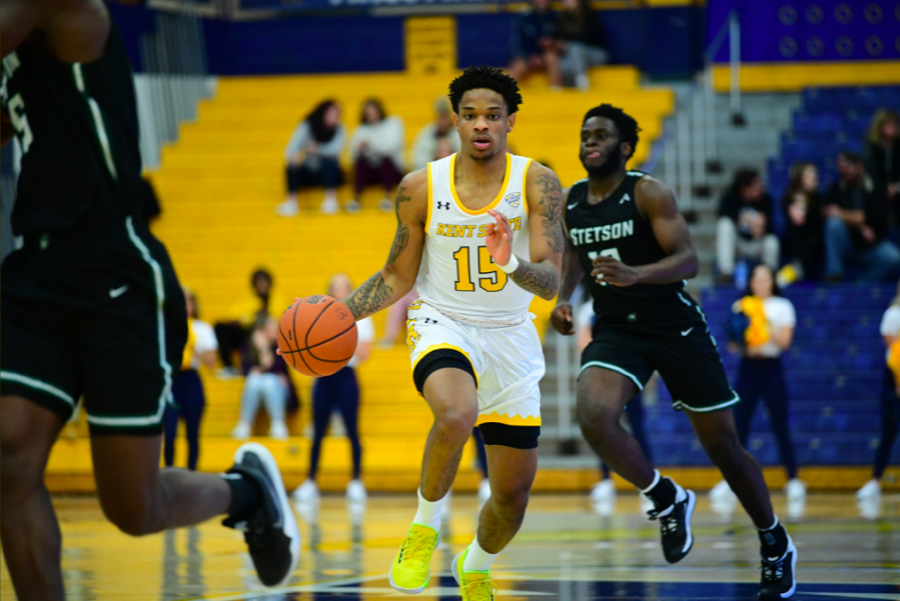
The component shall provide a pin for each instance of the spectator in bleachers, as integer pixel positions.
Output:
(436, 140)
(881, 158)
(856, 226)
(582, 43)
(233, 333)
(745, 226)
(771, 329)
(890, 400)
(803, 238)
(376, 149)
(188, 398)
(312, 156)
(535, 45)
(267, 381)
(339, 392)
(396, 318)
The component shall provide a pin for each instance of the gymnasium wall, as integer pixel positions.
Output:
(790, 45)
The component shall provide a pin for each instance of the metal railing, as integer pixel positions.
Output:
(174, 80)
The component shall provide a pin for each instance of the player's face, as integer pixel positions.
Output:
(601, 151)
(483, 123)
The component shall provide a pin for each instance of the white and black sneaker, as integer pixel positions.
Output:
(271, 530)
(779, 579)
(675, 525)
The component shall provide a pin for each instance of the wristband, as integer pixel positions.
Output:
(511, 266)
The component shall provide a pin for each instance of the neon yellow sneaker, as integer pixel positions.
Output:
(409, 573)
(474, 585)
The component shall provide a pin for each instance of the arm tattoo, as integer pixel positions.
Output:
(401, 239)
(541, 279)
(373, 296)
(551, 209)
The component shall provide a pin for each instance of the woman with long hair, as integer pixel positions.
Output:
(803, 210)
(770, 332)
(376, 149)
(188, 397)
(339, 392)
(312, 156)
(890, 399)
(881, 158)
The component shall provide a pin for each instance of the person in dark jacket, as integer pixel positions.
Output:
(856, 226)
(744, 229)
(582, 43)
(534, 44)
(881, 158)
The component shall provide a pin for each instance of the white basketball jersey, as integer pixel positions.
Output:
(458, 276)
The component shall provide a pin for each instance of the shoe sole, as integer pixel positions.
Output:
(688, 513)
(790, 592)
(289, 524)
(412, 591)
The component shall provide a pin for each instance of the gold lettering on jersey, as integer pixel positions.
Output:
(472, 231)
(602, 233)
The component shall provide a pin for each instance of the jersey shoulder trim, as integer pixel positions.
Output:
(497, 199)
(429, 197)
(637, 173)
(525, 169)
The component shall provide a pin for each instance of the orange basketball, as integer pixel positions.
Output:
(317, 335)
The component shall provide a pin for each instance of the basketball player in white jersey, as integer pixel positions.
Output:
(479, 235)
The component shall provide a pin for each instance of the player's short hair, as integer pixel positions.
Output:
(488, 78)
(626, 125)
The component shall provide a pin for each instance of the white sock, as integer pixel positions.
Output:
(772, 527)
(656, 477)
(477, 559)
(429, 512)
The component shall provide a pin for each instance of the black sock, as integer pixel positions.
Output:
(663, 494)
(245, 496)
(774, 541)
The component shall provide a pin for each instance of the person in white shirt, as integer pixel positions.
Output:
(761, 373)
(312, 156)
(436, 140)
(890, 403)
(339, 392)
(188, 398)
(376, 149)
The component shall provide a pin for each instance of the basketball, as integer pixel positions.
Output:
(317, 335)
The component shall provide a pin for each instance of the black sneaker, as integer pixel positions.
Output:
(778, 575)
(270, 531)
(675, 526)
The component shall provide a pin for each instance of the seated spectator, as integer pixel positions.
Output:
(582, 43)
(232, 334)
(534, 44)
(803, 238)
(890, 401)
(856, 226)
(267, 381)
(436, 140)
(339, 392)
(744, 229)
(881, 159)
(188, 398)
(396, 319)
(312, 156)
(376, 149)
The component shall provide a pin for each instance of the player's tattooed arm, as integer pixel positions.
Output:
(544, 196)
(398, 275)
(657, 203)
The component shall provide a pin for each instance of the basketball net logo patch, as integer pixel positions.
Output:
(514, 198)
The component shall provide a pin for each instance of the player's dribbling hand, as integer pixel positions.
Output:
(499, 238)
(561, 319)
(611, 271)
